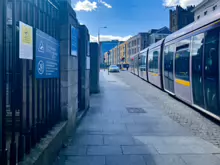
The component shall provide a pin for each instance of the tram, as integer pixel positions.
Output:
(186, 64)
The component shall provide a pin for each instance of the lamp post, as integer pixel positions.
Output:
(99, 40)
(108, 61)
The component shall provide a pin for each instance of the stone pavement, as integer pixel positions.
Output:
(123, 128)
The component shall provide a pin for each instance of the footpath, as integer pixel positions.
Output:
(123, 128)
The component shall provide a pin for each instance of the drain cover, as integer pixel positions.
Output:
(135, 110)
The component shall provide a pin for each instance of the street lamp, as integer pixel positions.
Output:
(99, 39)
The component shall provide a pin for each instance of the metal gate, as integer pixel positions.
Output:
(30, 107)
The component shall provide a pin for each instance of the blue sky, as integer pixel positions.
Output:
(124, 18)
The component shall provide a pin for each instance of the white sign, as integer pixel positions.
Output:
(25, 41)
(41, 47)
(87, 62)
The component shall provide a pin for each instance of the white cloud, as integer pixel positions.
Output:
(105, 4)
(109, 38)
(183, 3)
(170, 3)
(89, 6)
(85, 5)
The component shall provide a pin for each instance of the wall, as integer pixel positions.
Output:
(208, 6)
(69, 64)
(83, 74)
(94, 68)
(180, 17)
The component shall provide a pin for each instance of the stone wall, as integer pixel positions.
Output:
(94, 68)
(69, 64)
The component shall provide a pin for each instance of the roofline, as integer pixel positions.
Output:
(200, 5)
(215, 16)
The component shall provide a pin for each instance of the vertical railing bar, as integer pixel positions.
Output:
(34, 128)
(38, 81)
(13, 107)
(3, 152)
(28, 135)
(43, 87)
(21, 147)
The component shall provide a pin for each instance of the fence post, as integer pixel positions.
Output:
(21, 143)
(3, 150)
(13, 104)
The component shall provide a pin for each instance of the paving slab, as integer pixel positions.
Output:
(81, 139)
(74, 150)
(139, 150)
(125, 160)
(118, 140)
(201, 159)
(217, 155)
(164, 160)
(177, 144)
(104, 150)
(85, 160)
(114, 129)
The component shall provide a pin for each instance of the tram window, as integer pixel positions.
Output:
(211, 51)
(182, 64)
(168, 58)
(153, 61)
(150, 60)
(211, 76)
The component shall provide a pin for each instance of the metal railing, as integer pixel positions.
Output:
(30, 107)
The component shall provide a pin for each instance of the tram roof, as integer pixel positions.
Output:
(144, 50)
(154, 45)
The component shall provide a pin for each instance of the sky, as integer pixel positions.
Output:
(124, 18)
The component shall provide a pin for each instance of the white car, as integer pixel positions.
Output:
(114, 68)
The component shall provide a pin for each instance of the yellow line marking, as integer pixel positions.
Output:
(183, 82)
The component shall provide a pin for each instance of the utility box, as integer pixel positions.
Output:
(84, 69)
(95, 67)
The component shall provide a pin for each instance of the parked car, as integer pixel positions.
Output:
(114, 68)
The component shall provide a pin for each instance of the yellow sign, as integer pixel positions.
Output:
(26, 35)
(25, 41)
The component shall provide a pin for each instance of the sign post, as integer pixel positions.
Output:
(47, 56)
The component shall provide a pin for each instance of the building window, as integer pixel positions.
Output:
(214, 7)
(138, 41)
(206, 12)
(198, 17)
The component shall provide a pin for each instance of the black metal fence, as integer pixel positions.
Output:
(30, 107)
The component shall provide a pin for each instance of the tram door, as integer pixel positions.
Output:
(205, 74)
(197, 69)
(211, 73)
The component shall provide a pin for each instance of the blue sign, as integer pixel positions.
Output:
(74, 41)
(47, 56)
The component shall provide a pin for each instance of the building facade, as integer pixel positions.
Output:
(122, 55)
(205, 8)
(107, 46)
(180, 17)
(157, 34)
(143, 40)
(137, 43)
